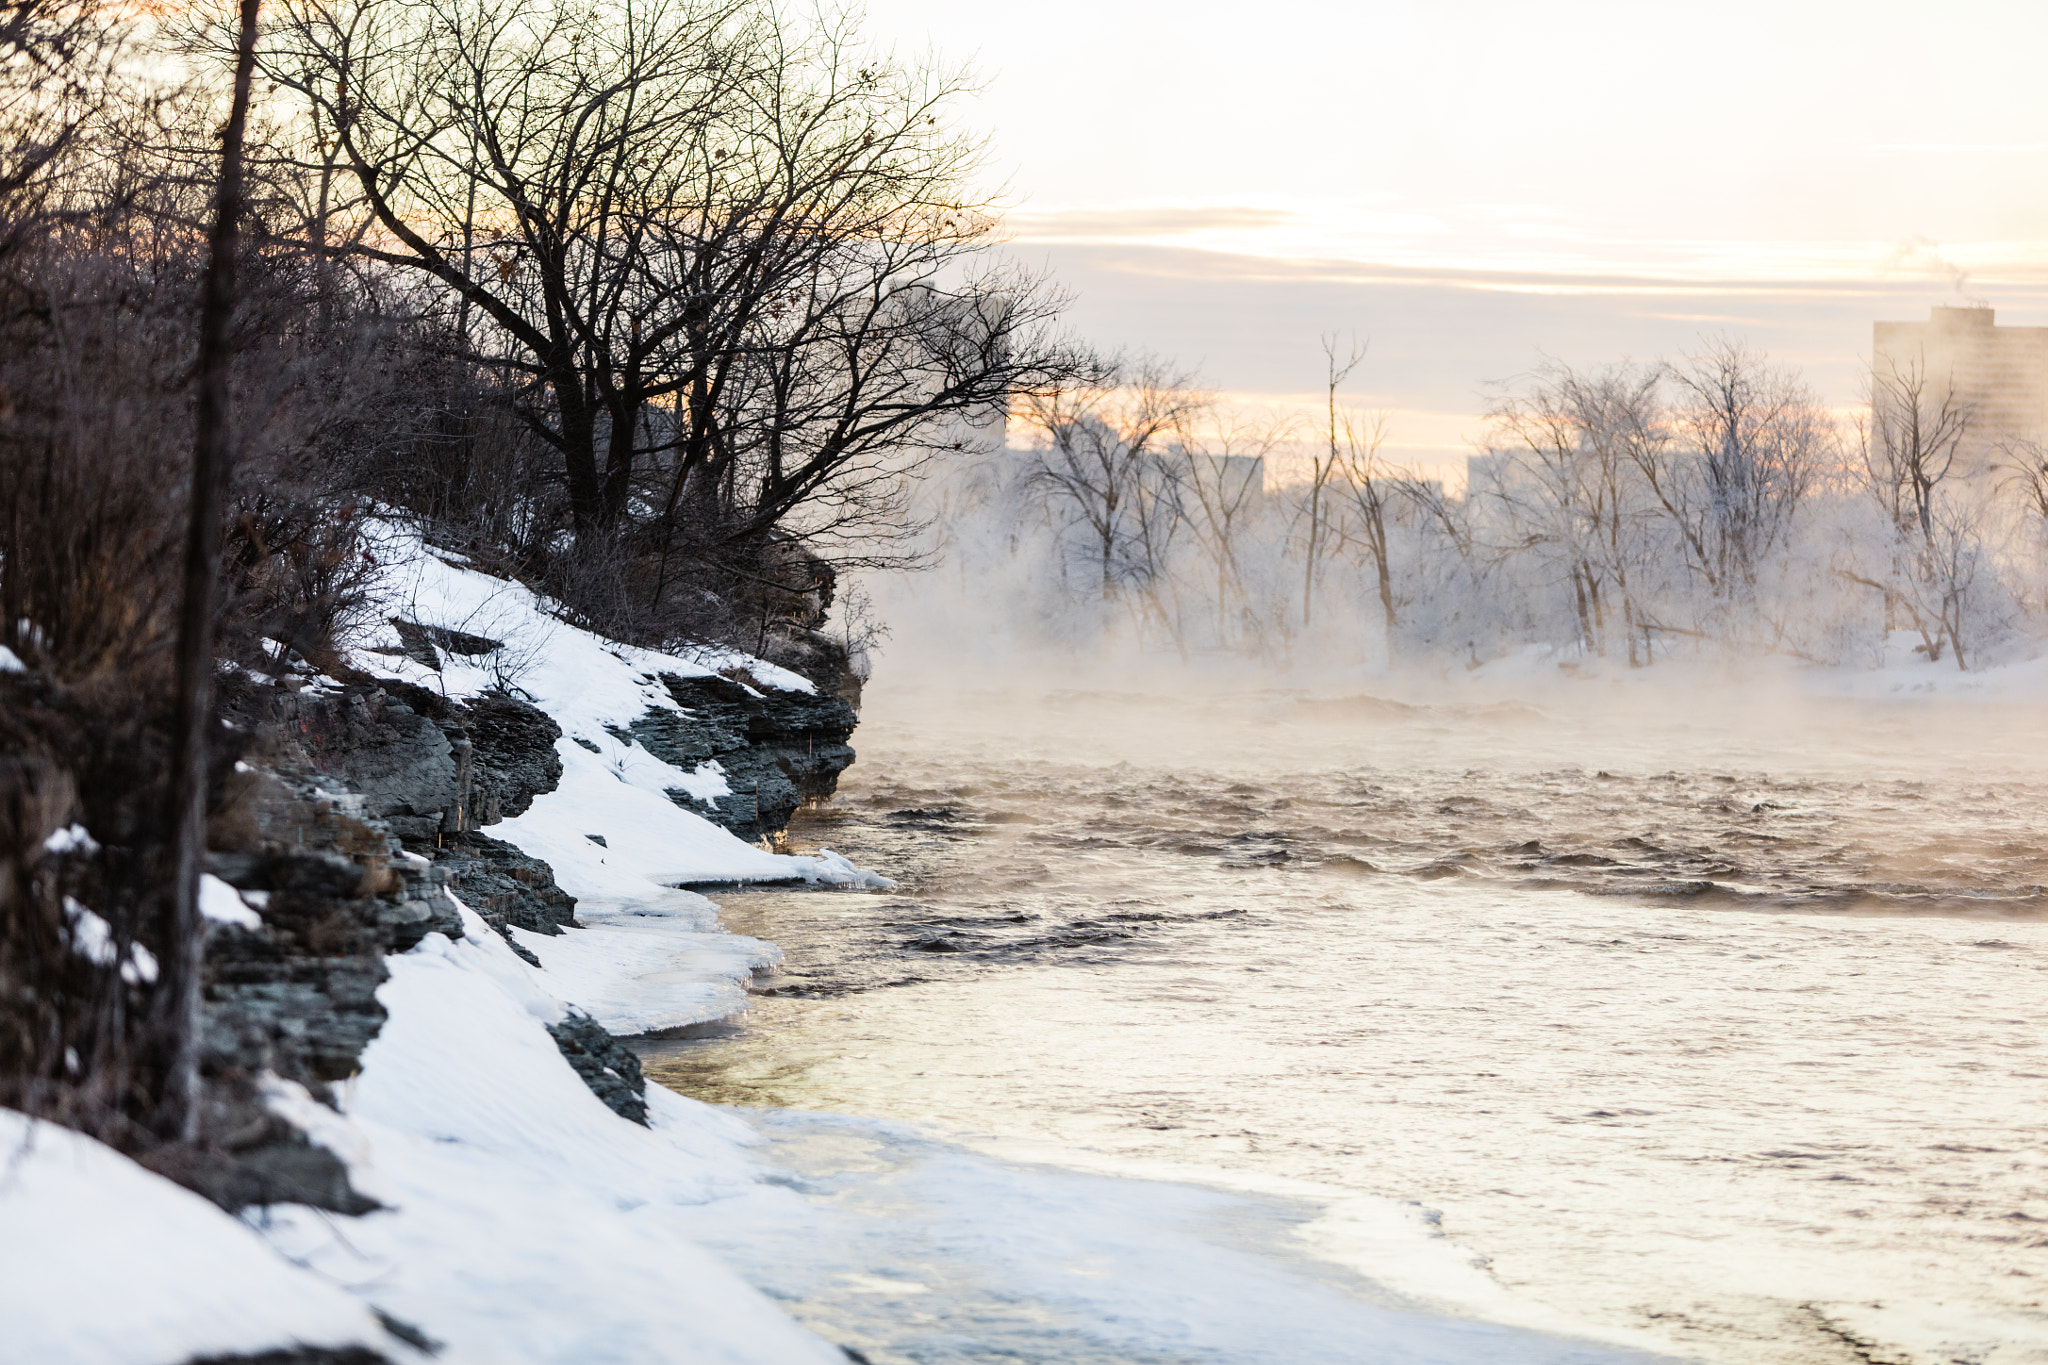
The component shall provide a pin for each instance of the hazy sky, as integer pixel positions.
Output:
(1473, 185)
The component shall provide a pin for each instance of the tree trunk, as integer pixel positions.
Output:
(212, 452)
(579, 454)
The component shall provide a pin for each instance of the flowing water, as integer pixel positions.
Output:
(1706, 1025)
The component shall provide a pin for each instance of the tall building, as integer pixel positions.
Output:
(2001, 372)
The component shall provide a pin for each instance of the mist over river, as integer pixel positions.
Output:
(1685, 1022)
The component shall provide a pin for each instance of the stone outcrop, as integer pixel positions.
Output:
(296, 997)
(512, 759)
(778, 749)
(363, 808)
(607, 1066)
(423, 764)
(436, 772)
(506, 887)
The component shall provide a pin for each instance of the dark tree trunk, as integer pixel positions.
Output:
(212, 452)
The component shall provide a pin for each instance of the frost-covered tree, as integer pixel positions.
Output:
(1567, 493)
(1930, 561)
(1103, 471)
(1745, 441)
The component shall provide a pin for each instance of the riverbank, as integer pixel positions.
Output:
(441, 1157)
(504, 1189)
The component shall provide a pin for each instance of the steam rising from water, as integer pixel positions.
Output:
(1703, 1018)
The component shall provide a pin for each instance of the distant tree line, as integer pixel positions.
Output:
(1706, 507)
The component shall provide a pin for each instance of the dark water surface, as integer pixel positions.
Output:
(1710, 1023)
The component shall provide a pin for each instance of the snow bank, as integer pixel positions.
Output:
(581, 679)
(593, 688)
(652, 957)
(525, 1222)
(105, 1263)
(1532, 671)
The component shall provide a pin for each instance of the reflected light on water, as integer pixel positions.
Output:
(1712, 1028)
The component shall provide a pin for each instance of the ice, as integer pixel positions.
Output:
(918, 1249)
(650, 964)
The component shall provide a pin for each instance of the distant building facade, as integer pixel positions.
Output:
(2000, 372)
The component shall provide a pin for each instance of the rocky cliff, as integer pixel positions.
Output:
(360, 808)
(777, 749)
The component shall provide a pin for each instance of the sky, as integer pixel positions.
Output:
(1473, 187)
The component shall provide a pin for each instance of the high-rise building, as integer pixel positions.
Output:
(2001, 373)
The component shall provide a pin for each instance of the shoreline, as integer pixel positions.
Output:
(519, 1217)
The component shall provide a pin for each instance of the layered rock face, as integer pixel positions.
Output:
(296, 997)
(435, 772)
(778, 749)
(348, 836)
(365, 808)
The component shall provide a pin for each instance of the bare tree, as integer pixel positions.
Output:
(1740, 452)
(1323, 467)
(2026, 475)
(1222, 475)
(734, 266)
(60, 65)
(211, 451)
(1567, 451)
(1371, 486)
(1908, 451)
(1104, 462)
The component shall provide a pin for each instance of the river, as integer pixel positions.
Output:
(1698, 1024)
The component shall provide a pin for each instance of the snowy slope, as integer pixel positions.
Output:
(105, 1263)
(651, 957)
(591, 687)
(525, 1222)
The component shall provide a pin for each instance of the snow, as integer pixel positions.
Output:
(73, 839)
(593, 688)
(583, 680)
(650, 841)
(222, 904)
(526, 1222)
(141, 1271)
(92, 938)
(1904, 676)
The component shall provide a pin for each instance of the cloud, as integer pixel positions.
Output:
(1440, 333)
(1143, 223)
